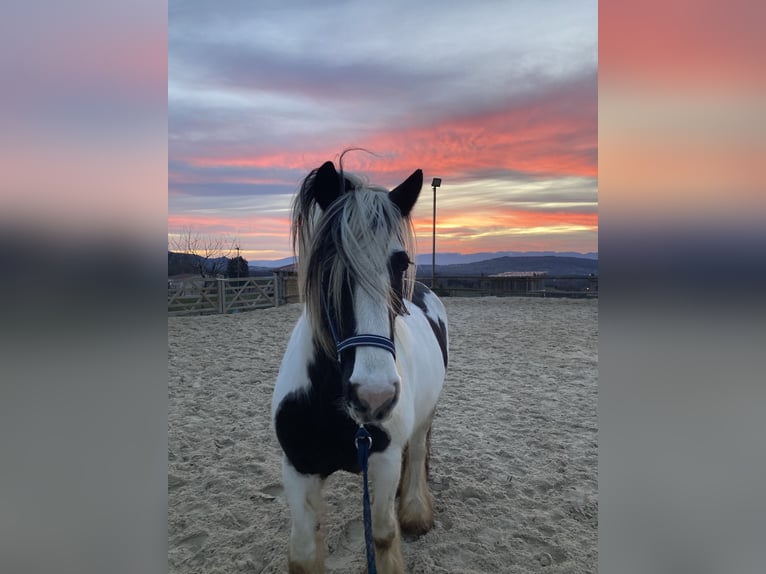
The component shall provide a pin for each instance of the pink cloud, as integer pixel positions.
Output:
(553, 136)
(556, 135)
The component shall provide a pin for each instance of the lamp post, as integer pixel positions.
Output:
(436, 182)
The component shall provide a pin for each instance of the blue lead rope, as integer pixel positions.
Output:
(363, 442)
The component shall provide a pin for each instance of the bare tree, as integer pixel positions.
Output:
(210, 254)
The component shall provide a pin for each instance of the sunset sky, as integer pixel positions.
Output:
(499, 99)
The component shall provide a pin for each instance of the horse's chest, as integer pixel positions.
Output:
(315, 433)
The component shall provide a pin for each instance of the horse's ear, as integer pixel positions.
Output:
(326, 185)
(405, 195)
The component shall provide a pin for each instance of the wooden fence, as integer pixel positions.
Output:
(530, 285)
(202, 296)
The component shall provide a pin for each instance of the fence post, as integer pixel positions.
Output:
(277, 288)
(221, 295)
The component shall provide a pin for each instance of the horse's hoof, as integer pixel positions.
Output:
(416, 527)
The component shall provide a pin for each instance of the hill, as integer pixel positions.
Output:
(442, 259)
(455, 258)
(470, 264)
(272, 263)
(553, 265)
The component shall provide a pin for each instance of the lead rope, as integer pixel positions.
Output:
(363, 442)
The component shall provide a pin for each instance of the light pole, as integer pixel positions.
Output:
(436, 182)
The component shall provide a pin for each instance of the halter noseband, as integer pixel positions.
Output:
(365, 340)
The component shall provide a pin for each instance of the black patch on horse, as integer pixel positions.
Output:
(439, 329)
(397, 265)
(315, 432)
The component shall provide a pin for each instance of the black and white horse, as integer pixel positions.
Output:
(369, 349)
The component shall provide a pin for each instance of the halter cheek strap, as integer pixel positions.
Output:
(365, 340)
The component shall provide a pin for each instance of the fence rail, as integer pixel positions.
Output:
(532, 285)
(202, 296)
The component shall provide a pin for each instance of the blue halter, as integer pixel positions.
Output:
(357, 340)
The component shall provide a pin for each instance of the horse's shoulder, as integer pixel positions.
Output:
(428, 302)
(434, 312)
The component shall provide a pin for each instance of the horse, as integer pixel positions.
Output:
(370, 349)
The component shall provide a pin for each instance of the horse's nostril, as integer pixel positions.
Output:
(384, 410)
(355, 401)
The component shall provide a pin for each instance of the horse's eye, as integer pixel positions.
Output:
(400, 261)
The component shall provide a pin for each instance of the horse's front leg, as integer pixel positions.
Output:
(416, 509)
(304, 496)
(385, 469)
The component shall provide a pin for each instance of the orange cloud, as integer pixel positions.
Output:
(498, 230)
(502, 140)
(253, 226)
(556, 137)
(550, 139)
(508, 222)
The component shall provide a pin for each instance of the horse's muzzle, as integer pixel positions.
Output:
(373, 403)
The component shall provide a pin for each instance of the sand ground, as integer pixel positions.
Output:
(514, 445)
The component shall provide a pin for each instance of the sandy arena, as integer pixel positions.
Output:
(513, 459)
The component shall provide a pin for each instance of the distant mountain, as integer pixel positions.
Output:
(271, 264)
(454, 258)
(552, 265)
(449, 258)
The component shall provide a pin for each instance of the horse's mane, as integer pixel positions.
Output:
(349, 240)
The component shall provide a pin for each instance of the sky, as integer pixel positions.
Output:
(499, 99)
(83, 168)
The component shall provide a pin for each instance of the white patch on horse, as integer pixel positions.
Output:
(292, 372)
(374, 375)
